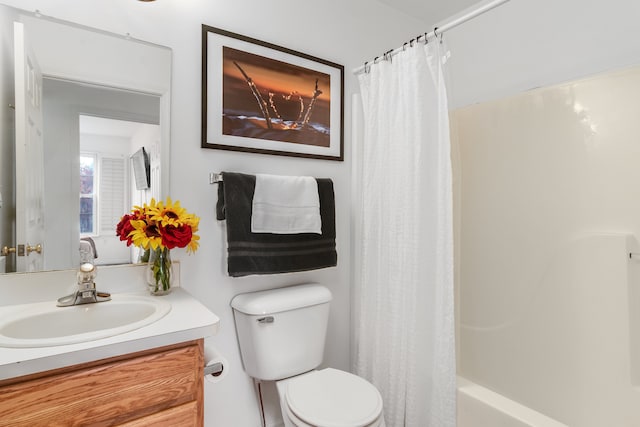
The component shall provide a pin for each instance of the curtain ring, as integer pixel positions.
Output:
(365, 67)
(375, 59)
(404, 45)
(436, 35)
(426, 40)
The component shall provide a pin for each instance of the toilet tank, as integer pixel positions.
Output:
(282, 331)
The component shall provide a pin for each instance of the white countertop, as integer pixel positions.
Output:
(188, 320)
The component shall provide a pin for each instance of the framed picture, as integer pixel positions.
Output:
(262, 98)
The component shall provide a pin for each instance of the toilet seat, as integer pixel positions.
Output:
(333, 398)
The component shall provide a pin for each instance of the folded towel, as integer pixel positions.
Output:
(285, 205)
(265, 253)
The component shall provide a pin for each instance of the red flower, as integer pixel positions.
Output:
(124, 228)
(173, 236)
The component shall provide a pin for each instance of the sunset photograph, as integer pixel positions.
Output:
(269, 99)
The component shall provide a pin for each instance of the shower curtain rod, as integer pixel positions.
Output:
(436, 31)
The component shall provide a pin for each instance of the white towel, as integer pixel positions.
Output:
(285, 205)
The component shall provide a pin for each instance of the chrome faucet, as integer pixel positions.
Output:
(86, 293)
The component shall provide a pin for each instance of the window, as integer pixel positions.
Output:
(102, 193)
(87, 194)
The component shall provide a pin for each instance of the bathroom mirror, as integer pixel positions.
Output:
(68, 176)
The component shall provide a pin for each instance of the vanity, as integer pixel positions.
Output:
(152, 375)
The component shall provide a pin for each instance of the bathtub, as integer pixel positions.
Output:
(480, 407)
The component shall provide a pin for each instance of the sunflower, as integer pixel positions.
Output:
(160, 225)
(145, 234)
(168, 214)
(192, 246)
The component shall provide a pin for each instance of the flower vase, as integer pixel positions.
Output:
(143, 255)
(159, 271)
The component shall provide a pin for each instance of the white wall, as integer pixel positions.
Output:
(88, 56)
(525, 44)
(343, 32)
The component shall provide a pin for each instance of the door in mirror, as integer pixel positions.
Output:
(29, 157)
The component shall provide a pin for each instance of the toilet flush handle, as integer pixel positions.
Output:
(267, 319)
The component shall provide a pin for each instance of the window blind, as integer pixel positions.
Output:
(112, 193)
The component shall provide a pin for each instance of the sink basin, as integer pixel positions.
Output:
(46, 325)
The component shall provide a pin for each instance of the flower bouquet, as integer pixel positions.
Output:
(158, 228)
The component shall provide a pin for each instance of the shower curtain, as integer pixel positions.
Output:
(404, 312)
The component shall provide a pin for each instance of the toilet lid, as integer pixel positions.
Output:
(333, 398)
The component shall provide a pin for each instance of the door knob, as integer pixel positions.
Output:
(7, 250)
(37, 248)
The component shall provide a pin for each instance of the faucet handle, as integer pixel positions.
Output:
(86, 274)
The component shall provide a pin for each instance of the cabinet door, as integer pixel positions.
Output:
(184, 416)
(110, 393)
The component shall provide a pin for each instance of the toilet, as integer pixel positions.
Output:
(282, 333)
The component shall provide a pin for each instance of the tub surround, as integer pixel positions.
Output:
(479, 406)
(549, 315)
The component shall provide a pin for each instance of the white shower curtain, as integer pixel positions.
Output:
(404, 315)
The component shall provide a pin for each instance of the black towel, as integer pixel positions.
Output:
(265, 253)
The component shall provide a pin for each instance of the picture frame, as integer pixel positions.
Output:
(258, 97)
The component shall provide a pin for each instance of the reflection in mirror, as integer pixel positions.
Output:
(79, 122)
(92, 84)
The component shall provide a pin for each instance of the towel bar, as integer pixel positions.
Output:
(215, 178)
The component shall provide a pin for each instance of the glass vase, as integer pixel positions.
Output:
(159, 271)
(143, 255)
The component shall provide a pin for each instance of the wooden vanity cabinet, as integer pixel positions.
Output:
(159, 387)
